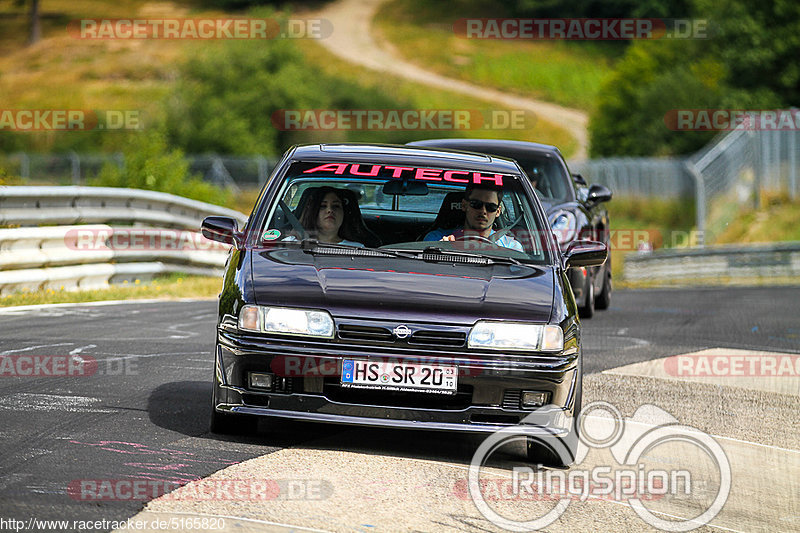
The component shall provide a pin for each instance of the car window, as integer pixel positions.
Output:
(548, 177)
(429, 203)
(386, 206)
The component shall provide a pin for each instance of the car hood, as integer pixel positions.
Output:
(381, 288)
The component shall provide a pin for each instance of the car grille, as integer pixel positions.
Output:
(421, 337)
(438, 338)
(351, 332)
(511, 399)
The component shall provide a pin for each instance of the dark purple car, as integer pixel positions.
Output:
(394, 286)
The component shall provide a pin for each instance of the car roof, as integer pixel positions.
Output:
(399, 153)
(481, 145)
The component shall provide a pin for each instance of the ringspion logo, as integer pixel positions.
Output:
(668, 463)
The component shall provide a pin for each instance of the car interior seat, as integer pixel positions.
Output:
(450, 214)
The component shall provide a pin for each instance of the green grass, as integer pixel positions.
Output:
(670, 224)
(663, 223)
(165, 287)
(62, 72)
(778, 219)
(567, 73)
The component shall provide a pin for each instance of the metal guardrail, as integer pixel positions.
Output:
(26, 205)
(232, 172)
(92, 256)
(88, 256)
(714, 262)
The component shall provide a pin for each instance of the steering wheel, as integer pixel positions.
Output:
(479, 238)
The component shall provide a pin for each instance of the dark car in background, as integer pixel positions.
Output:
(574, 209)
(394, 326)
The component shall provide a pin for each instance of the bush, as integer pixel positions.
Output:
(150, 165)
(229, 92)
(747, 63)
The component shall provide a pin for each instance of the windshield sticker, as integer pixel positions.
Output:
(270, 235)
(424, 174)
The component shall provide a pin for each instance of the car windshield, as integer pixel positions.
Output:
(406, 208)
(547, 175)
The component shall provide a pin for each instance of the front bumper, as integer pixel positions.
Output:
(487, 399)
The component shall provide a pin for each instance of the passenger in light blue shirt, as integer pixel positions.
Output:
(481, 207)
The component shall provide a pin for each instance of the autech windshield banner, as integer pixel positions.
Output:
(361, 170)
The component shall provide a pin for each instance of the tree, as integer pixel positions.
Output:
(36, 26)
(749, 62)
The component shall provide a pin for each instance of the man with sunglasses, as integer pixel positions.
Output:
(481, 206)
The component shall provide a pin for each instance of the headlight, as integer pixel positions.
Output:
(287, 321)
(564, 225)
(516, 336)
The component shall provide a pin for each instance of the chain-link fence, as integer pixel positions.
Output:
(77, 169)
(731, 173)
(735, 170)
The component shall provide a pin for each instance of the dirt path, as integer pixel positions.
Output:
(352, 40)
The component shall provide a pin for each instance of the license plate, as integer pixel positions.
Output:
(410, 377)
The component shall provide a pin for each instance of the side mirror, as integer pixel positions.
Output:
(222, 229)
(580, 180)
(598, 194)
(585, 254)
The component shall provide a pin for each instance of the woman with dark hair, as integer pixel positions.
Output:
(325, 218)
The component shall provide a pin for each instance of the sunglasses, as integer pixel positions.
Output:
(490, 207)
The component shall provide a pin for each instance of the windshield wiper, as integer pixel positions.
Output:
(490, 259)
(436, 254)
(429, 253)
(315, 247)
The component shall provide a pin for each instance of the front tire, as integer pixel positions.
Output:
(603, 300)
(587, 309)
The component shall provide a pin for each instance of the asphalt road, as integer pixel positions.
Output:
(143, 413)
